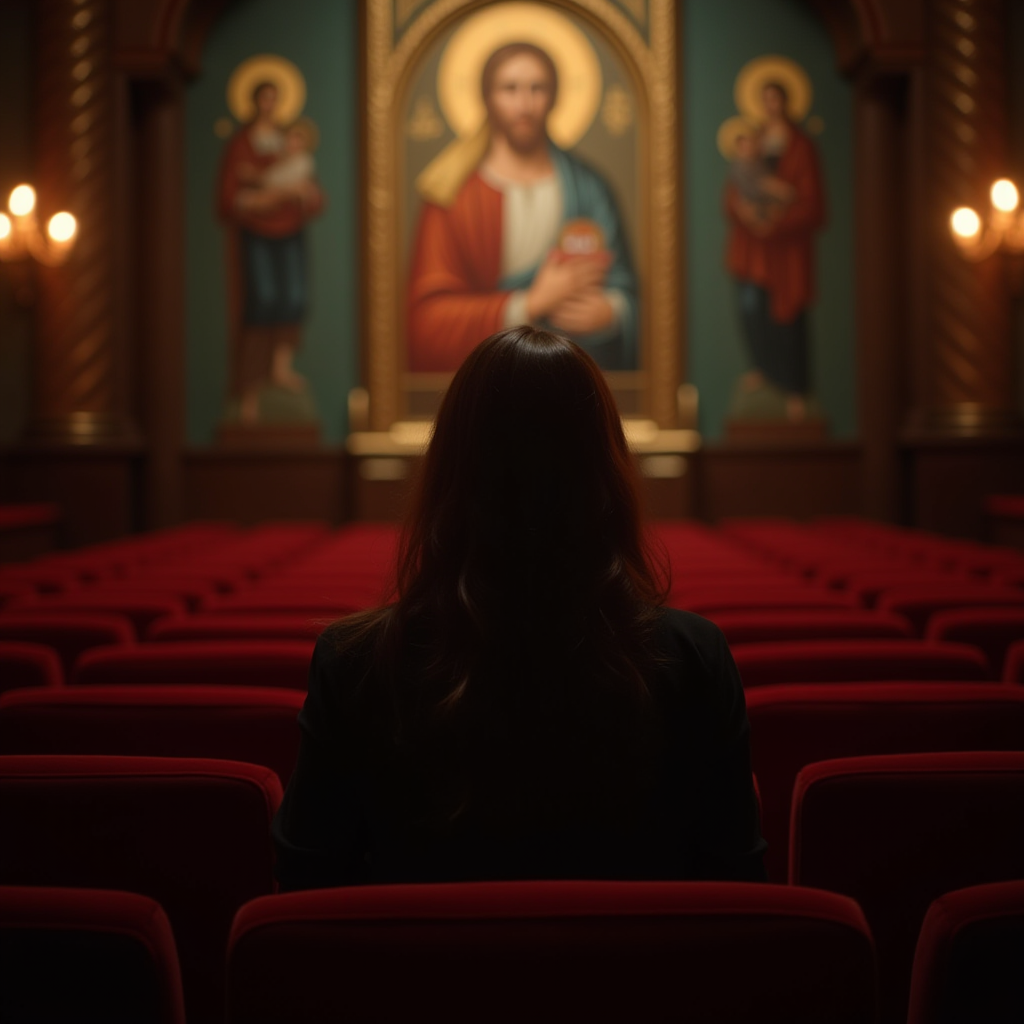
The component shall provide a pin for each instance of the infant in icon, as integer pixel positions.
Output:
(752, 174)
(292, 174)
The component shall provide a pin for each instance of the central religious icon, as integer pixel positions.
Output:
(513, 227)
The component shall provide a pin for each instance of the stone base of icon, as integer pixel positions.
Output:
(760, 415)
(286, 419)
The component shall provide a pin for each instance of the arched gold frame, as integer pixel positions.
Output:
(396, 33)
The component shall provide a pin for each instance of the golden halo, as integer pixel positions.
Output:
(267, 67)
(757, 73)
(730, 130)
(462, 63)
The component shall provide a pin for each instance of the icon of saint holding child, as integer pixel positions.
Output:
(775, 205)
(266, 193)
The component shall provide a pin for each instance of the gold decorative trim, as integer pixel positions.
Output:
(389, 65)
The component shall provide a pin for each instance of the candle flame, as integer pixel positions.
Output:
(62, 227)
(22, 201)
(1004, 195)
(965, 223)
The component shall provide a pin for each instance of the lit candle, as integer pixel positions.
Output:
(1004, 195)
(6, 235)
(61, 228)
(966, 224)
(22, 201)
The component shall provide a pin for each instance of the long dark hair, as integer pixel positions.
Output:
(525, 598)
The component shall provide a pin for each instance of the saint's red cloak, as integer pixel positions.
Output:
(280, 222)
(783, 262)
(453, 299)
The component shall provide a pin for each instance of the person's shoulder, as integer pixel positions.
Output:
(690, 636)
(344, 653)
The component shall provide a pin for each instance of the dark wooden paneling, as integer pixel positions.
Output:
(801, 482)
(249, 486)
(950, 480)
(380, 486)
(96, 488)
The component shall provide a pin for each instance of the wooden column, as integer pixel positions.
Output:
(159, 240)
(967, 329)
(80, 393)
(882, 284)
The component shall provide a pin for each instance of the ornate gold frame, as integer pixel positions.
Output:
(643, 32)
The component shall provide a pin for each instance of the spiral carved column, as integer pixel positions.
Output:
(78, 397)
(969, 333)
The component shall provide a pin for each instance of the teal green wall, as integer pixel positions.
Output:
(320, 37)
(719, 37)
(15, 167)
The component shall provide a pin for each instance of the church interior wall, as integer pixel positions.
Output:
(938, 485)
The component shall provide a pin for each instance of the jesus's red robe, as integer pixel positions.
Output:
(453, 300)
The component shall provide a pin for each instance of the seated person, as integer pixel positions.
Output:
(526, 707)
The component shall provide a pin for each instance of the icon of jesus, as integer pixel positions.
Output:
(522, 232)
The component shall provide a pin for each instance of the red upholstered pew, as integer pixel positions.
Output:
(558, 951)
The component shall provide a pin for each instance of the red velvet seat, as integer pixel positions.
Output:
(1013, 669)
(31, 665)
(895, 832)
(551, 951)
(227, 626)
(73, 955)
(742, 597)
(810, 624)
(68, 633)
(919, 603)
(140, 608)
(969, 963)
(327, 604)
(256, 724)
(191, 834)
(990, 629)
(794, 726)
(281, 663)
(847, 661)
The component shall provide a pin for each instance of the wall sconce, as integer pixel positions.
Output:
(1004, 230)
(20, 236)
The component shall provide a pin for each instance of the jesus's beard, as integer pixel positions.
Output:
(526, 136)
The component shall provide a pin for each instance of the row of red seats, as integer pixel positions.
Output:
(791, 727)
(583, 951)
(55, 656)
(891, 833)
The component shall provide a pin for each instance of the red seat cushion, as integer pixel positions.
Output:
(794, 726)
(992, 630)
(895, 832)
(255, 724)
(919, 603)
(282, 663)
(553, 951)
(192, 834)
(140, 608)
(25, 664)
(822, 661)
(810, 624)
(68, 633)
(228, 626)
(87, 954)
(1013, 669)
(967, 966)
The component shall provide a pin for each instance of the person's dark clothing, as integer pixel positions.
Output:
(349, 813)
